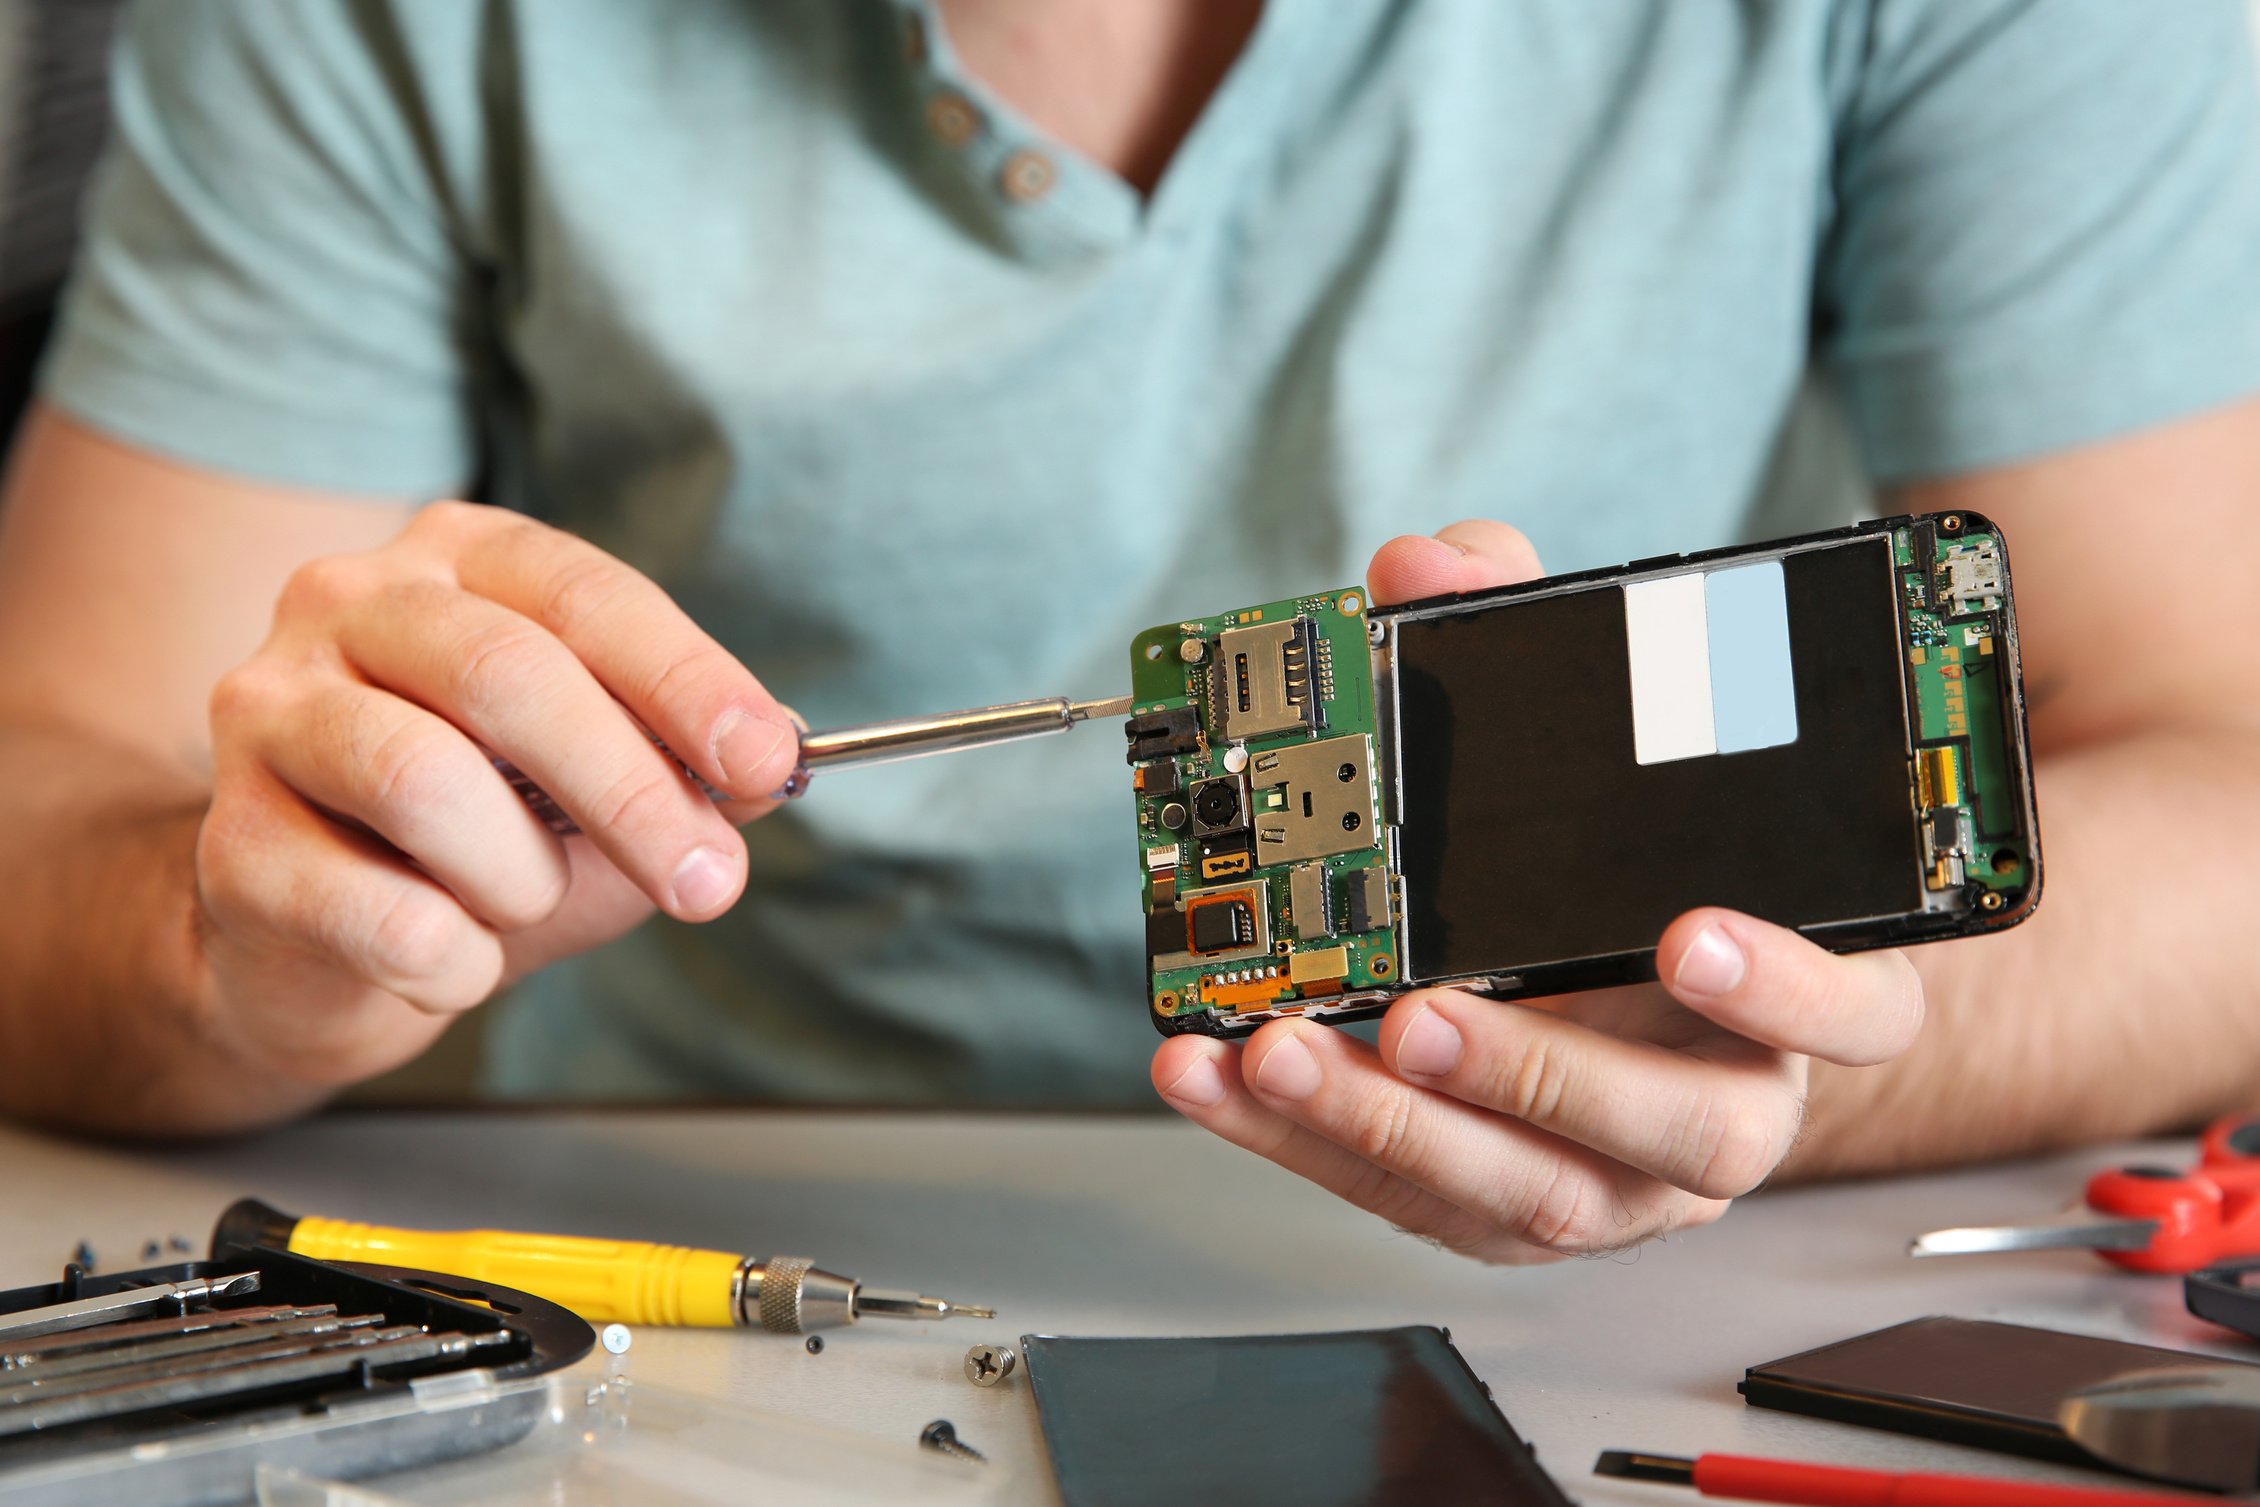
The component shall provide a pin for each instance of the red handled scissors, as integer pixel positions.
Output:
(2146, 1218)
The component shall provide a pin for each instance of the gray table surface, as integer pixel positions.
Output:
(1132, 1226)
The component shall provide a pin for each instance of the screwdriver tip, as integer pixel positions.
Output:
(1632, 1465)
(971, 1311)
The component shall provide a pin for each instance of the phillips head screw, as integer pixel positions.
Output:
(986, 1365)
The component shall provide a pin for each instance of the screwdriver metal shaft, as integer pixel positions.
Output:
(269, 1347)
(79, 1341)
(256, 1376)
(877, 743)
(949, 732)
(82, 1313)
(44, 1371)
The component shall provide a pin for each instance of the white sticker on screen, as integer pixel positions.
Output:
(1711, 672)
(1671, 670)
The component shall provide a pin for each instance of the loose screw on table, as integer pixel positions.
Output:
(941, 1435)
(986, 1365)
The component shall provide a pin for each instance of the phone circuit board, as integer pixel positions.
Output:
(1967, 792)
(1254, 761)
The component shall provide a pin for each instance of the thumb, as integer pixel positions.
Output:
(1770, 984)
(1461, 557)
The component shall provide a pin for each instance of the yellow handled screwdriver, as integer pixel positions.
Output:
(604, 1281)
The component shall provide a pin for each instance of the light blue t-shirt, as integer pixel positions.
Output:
(914, 408)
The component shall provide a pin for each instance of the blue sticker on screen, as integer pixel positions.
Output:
(1753, 685)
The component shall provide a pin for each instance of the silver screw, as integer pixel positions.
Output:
(941, 1436)
(617, 1339)
(986, 1365)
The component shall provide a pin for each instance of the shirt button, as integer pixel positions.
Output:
(951, 117)
(1027, 176)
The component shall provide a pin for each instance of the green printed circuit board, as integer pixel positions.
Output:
(1966, 791)
(1252, 743)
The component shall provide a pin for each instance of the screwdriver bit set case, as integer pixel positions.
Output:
(333, 1370)
(505, 1413)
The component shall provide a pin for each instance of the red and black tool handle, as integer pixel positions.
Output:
(2205, 1214)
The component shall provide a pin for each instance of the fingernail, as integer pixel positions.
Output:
(704, 881)
(746, 747)
(1288, 1071)
(1429, 1047)
(1712, 964)
(1201, 1084)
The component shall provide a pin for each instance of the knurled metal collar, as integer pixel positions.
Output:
(781, 1281)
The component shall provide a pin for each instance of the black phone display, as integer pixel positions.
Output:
(1300, 1420)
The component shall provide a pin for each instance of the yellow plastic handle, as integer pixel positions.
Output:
(604, 1281)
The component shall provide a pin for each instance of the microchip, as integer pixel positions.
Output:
(1165, 931)
(1222, 925)
(1945, 831)
(1173, 730)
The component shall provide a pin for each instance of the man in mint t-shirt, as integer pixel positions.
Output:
(868, 358)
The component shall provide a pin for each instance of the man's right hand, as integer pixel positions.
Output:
(361, 850)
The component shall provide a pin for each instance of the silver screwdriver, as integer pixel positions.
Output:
(880, 743)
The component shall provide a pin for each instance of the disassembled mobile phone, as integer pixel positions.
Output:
(1514, 791)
